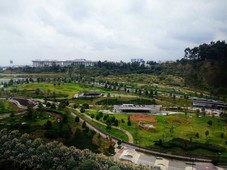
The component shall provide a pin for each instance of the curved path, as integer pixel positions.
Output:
(130, 138)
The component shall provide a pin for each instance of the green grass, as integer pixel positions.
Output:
(113, 132)
(69, 89)
(146, 137)
(5, 107)
(41, 120)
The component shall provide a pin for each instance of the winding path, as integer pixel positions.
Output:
(130, 137)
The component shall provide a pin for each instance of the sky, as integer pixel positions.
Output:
(113, 30)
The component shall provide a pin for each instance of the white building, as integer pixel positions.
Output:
(49, 63)
(132, 108)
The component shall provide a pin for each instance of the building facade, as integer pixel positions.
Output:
(132, 108)
(50, 63)
(197, 102)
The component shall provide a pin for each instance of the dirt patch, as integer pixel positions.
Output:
(177, 120)
(24, 102)
(143, 117)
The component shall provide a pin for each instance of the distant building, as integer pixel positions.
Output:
(131, 108)
(137, 60)
(49, 63)
(196, 102)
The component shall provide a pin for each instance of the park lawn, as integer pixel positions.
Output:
(41, 120)
(66, 88)
(187, 129)
(6, 107)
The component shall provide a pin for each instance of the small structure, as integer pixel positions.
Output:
(136, 157)
(130, 155)
(132, 108)
(89, 94)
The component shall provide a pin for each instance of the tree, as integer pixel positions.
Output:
(116, 122)
(77, 119)
(197, 113)
(75, 106)
(82, 110)
(37, 91)
(77, 132)
(97, 117)
(51, 133)
(129, 123)
(30, 112)
(85, 106)
(65, 118)
(210, 122)
(114, 168)
(207, 133)
(222, 135)
(197, 134)
(53, 106)
(48, 124)
(40, 107)
(108, 126)
(92, 115)
(89, 165)
(84, 124)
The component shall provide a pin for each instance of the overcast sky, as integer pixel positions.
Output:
(107, 29)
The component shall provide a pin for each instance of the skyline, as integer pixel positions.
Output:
(107, 30)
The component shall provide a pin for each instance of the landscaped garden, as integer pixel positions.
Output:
(168, 132)
(205, 129)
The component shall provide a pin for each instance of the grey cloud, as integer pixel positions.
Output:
(107, 30)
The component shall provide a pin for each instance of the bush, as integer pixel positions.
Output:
(51, 133)
(114, 168)
(89, 165)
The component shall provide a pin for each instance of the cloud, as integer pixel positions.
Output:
(107, 30)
